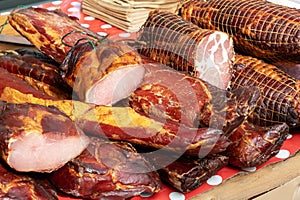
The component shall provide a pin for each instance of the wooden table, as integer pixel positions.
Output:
(267, 180)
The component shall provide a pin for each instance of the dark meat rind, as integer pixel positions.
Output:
(37, 70)
(15, 185)
(169, 39)
(187, 173)
(259, 28)
(52, 32)
(253, 145)
(280, 93)
(27, 129)
(107, 170)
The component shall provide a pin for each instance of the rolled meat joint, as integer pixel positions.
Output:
(187, 173)
(253, 145)
(52, 32)
(107, 170)
(31, 136)
(14, 185)
(166, 94)
(103, 73)
(121, 123)
(259, 28)
(177, 43)
(36, 69)
(280, 93)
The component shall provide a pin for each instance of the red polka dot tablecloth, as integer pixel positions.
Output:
(290, 147)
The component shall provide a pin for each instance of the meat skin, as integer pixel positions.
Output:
(259, 28)
(11, 80)
(107, 170)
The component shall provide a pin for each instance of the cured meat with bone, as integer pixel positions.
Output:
(253, 145)
(31, 136)
(259, 28)
(121, 123)
(168, 94)
(186, 173)
(36, 69)
(175, 42)
(103, 73)
(15, 185)
(107, 170)
(52, 32)
(280, 93)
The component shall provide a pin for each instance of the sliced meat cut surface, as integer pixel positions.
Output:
(38, 138)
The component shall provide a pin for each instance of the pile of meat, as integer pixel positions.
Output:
(198, 90)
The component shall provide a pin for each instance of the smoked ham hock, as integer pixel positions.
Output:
(185, 173)
(253, 145)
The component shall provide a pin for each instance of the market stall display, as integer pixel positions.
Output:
(287, 148)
